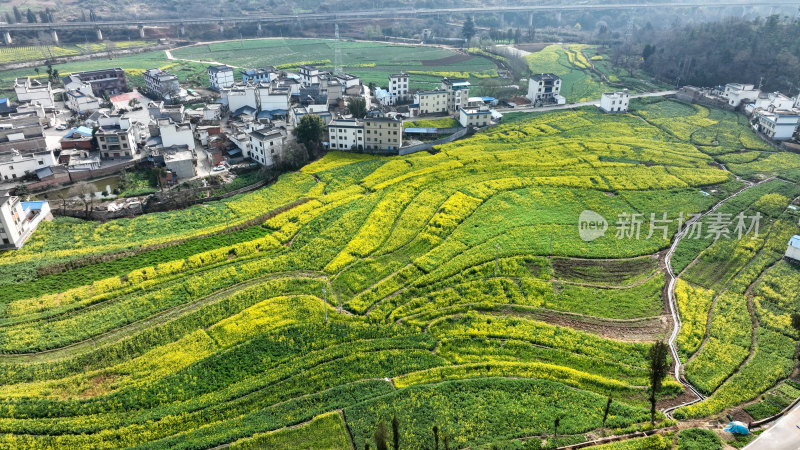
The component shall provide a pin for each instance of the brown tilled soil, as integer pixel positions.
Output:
(455, 59)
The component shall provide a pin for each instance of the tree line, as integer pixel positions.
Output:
(763, 50)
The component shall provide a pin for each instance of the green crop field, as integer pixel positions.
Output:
(449, 290)
(371, 61)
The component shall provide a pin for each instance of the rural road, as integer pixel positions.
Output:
(784, 435)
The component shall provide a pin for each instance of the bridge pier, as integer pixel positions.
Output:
(99, 34)
(558, 17)
(221, 28)
(530, 19)
(259, 28)
(7, 38)
(141, 31)
(54, 35)
(182, 30)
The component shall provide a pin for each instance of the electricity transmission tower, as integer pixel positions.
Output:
(337, 53)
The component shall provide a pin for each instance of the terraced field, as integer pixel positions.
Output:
(449, 290)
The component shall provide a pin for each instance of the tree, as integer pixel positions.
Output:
(468, 31)
(436, 436)
(36, 69)
(63, 195)
(17, 15)
(309, 131)
(43, 16)
(85, 193)
(21, 190)
(446, 441)
(796, 321)
(30, 16)
(396, 433)
(657, 359)
(9, 19)
(357, 106)
(380, 436)
(555, 428)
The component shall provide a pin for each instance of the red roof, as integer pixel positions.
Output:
(125, 97)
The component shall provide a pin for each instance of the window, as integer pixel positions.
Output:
(41, 163)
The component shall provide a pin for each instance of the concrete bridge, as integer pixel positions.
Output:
(343, 16)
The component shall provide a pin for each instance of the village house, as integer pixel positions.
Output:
(260, 75)
(308, 74)
(33, 91)
(104, 82)
(220, 77)
(78, 138)
(399, 86)
(181, 163)
(176, 134)
(432, 102)
(266, 146)
(615, 101)
(777, 124)
(545, 88)
(82, 100)
(383, 134)
(239, 96)
(22, 133)
(18, 220)
(16, 164)
(161, 84)
(346, 134)
(116, 137)
(474, 117)
(736, 93)
(457, 93)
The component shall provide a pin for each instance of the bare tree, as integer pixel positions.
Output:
(84, 192)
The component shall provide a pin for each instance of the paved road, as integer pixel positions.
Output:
(784, 435)
(579, 104)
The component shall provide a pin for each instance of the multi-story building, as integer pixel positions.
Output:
(176, 134)
(240, 95)
(383, 134)
(544, 88)
(16, 164)
(181, 163)
(220, 77)
(432, 102)
(457, 93)
(777, 124)
(347, 80)
(273, 98)
(346, 134)
(266, 146)
(615, 101)
(82, 100)
(116, 137)
(260, 75)
(104, 81)
(18, 220)
(398, 86)
(33, 91)
(474, 117)
(161, 84)
(308, 74)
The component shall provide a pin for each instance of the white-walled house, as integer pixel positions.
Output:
(793, 249)
(266, 146)
(240, 95)
(474, 117)
(545, 88)
(271, 98)
(33, 91)
(399, 86)
(779, 125)
(176, 134)
(615, 102)
(308, 74)
(736, 93)
(82, 100)
(220, 77)
(18, 220)
(16, 164)
(346, 134)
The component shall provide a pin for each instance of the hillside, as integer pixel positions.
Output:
(449, 289)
